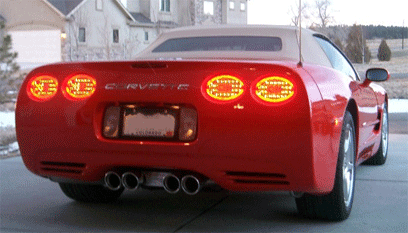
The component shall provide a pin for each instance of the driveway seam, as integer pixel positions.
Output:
(200, 214)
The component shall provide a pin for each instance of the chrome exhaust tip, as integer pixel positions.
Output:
(190, 185)
(131, 181)
(171, 184)
(113, 181)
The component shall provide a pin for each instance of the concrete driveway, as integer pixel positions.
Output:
(29, 203)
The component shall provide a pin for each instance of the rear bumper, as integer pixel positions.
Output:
(265, 156)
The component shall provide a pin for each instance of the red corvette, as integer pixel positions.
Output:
(237, 107)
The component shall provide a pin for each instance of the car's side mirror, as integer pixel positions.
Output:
(376, 75)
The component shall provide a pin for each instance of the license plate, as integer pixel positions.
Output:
(149, 122)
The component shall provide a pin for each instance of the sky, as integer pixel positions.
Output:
(349, 12)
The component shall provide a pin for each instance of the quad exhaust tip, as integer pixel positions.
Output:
(190, 184)
(171, 184)
(131, 181)
(113, 181)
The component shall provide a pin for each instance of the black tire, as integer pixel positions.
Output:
(381, 156)
(336, 206)
(90, 193)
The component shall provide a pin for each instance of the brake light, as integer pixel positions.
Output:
(79, 87)
(273, 89)
(42, 88)
(223, 88)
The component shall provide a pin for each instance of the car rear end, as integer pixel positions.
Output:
(243, 125)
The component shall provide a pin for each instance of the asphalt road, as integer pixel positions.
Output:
(32, 204)
(398, 123)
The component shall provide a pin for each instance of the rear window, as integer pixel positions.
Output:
(220, 43)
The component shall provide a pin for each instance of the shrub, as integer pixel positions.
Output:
(384, 52)
(9, 68)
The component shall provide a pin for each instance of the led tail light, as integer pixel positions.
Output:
(42, 88)
(223, 88)
(188, 124)
(273, 89)
(111, 122)
(78, 87)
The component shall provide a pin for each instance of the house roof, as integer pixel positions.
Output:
(68, 7)
(140, 18)
(65, 6)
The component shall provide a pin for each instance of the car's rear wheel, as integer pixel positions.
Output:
(90, 193)
(337, 204)
(381, 156)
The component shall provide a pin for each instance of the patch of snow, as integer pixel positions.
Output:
(398, 105)
(3, 150)
(10, 148)
(7, 119)
(13, 147)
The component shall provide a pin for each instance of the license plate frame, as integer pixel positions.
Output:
(152, 123)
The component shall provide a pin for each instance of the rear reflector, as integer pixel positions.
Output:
(188, 124)
(111, 122)
(223, 88)
(42, 88)
(273, 89)
(78, 87)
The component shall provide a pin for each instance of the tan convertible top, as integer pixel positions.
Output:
(311, 50)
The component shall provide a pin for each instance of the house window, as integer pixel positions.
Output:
(146, 36)
(98, 5)
(243, 6)
(81, 35)
(165, 5)
(208, 7)
(115, 36)
(232, 5)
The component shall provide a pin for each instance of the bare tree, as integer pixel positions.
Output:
(191, 12)
(323, 13)
(157, 22)
(106, 48)
(130, 45)
(105, 35)
(294, 11)
(76, 22)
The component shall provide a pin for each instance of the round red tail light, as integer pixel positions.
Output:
(273, 89)
(42, 88)
(79, 87)
(223, 88)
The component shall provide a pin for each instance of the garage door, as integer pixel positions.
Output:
(37, 46)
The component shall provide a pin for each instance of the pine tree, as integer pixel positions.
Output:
(8, 68)
(355, 44)
(384, 52)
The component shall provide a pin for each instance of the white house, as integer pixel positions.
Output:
(45, 31)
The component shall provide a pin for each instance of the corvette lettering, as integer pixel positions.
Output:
(146, 86)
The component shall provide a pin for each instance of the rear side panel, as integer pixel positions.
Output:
(241, 145)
